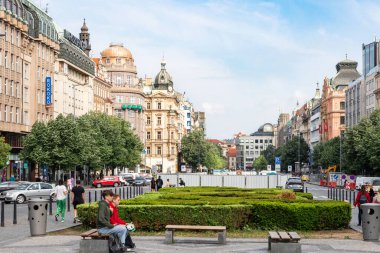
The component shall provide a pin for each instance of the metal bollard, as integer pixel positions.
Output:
(68, 202)
(346, 194)
(124, 192)
(2, 214)
(89, 197)
(128, 192)
(336, 194)
(306, 189)
(120, 192)
(51, 205)
(96, 195)
(351, 197)
(101, 194)
(14, 212)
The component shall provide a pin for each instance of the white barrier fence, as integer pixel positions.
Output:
(246, 181)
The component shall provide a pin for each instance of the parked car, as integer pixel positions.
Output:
(9, 185)
(107, 181)
(376, 185)
(27, 190)
(122, 181)
(140, 181)
(294, 184)
(148, 179)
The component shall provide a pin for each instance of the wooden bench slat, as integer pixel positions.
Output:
(274, 235)
(191, 227)
(284, 236)
(88, 233)
(294, 235)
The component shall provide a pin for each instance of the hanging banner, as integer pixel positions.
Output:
(48, 90)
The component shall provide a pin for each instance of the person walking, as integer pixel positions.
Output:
(362, 198)
(77, 196)
(159, 183)
(371, 193)
(103, 220)
(60, 193)
(153, 185)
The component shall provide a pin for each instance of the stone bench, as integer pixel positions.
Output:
(284, 242)
(93, 242)
(169, 233)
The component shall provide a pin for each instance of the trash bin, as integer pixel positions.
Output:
(38, 210)
(371, 221)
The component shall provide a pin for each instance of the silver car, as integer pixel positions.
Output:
(28, 190)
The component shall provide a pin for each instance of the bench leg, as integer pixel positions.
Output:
(222, 237)
(169, 236)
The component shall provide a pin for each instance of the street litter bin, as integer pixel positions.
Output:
(371, 221)
(38, 211)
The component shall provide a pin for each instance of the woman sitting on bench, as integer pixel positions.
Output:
(115, 220)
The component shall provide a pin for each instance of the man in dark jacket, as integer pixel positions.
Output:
(159, 183)
(103, 221)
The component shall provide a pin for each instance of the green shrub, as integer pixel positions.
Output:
(232, 207)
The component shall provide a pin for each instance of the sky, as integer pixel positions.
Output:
(242, 62)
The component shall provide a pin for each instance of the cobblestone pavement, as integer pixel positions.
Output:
(64, 244)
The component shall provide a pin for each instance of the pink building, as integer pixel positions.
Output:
(333, 105)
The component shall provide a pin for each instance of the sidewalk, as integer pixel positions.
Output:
(64, 244)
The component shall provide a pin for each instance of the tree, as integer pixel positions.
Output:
(260, 163)
(194, 148)
(214, 158)
(328, 153)
(5, 148)
(293, 150)
(270, 153)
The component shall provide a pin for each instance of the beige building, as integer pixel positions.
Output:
(28, 50)
(164, 123)
(127, 95)
(74, 76)
(102, 90)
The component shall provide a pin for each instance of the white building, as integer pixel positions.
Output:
(250, 147)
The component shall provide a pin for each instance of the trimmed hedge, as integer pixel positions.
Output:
(234, 208)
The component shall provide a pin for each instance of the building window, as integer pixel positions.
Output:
(6, 59)
(6, 114)
(172, 135)
(11, 88)
(119, 99)
(342, 120)
(148, 120)
(172, 151)
(159, 150)
(6, 86)
(256, 141)
(159, 105)
(159, 135)
(17, 115)
(342, 105)
(107, 60)
(132, 100)
(148, 150)
(148, 106)
(119, 113)
(159, 121)
(188, 115)
(148, 135)
(261, 141)
(11, 115)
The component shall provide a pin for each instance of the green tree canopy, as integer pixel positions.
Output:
(5, 148)
(270, 153)
(260, 163)
(291, 150)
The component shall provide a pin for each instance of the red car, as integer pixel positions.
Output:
(107, 181)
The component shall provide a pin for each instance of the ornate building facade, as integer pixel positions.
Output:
(74, 75)
(333, 103)
(28, 50)
(164, 123)
(127, 95)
